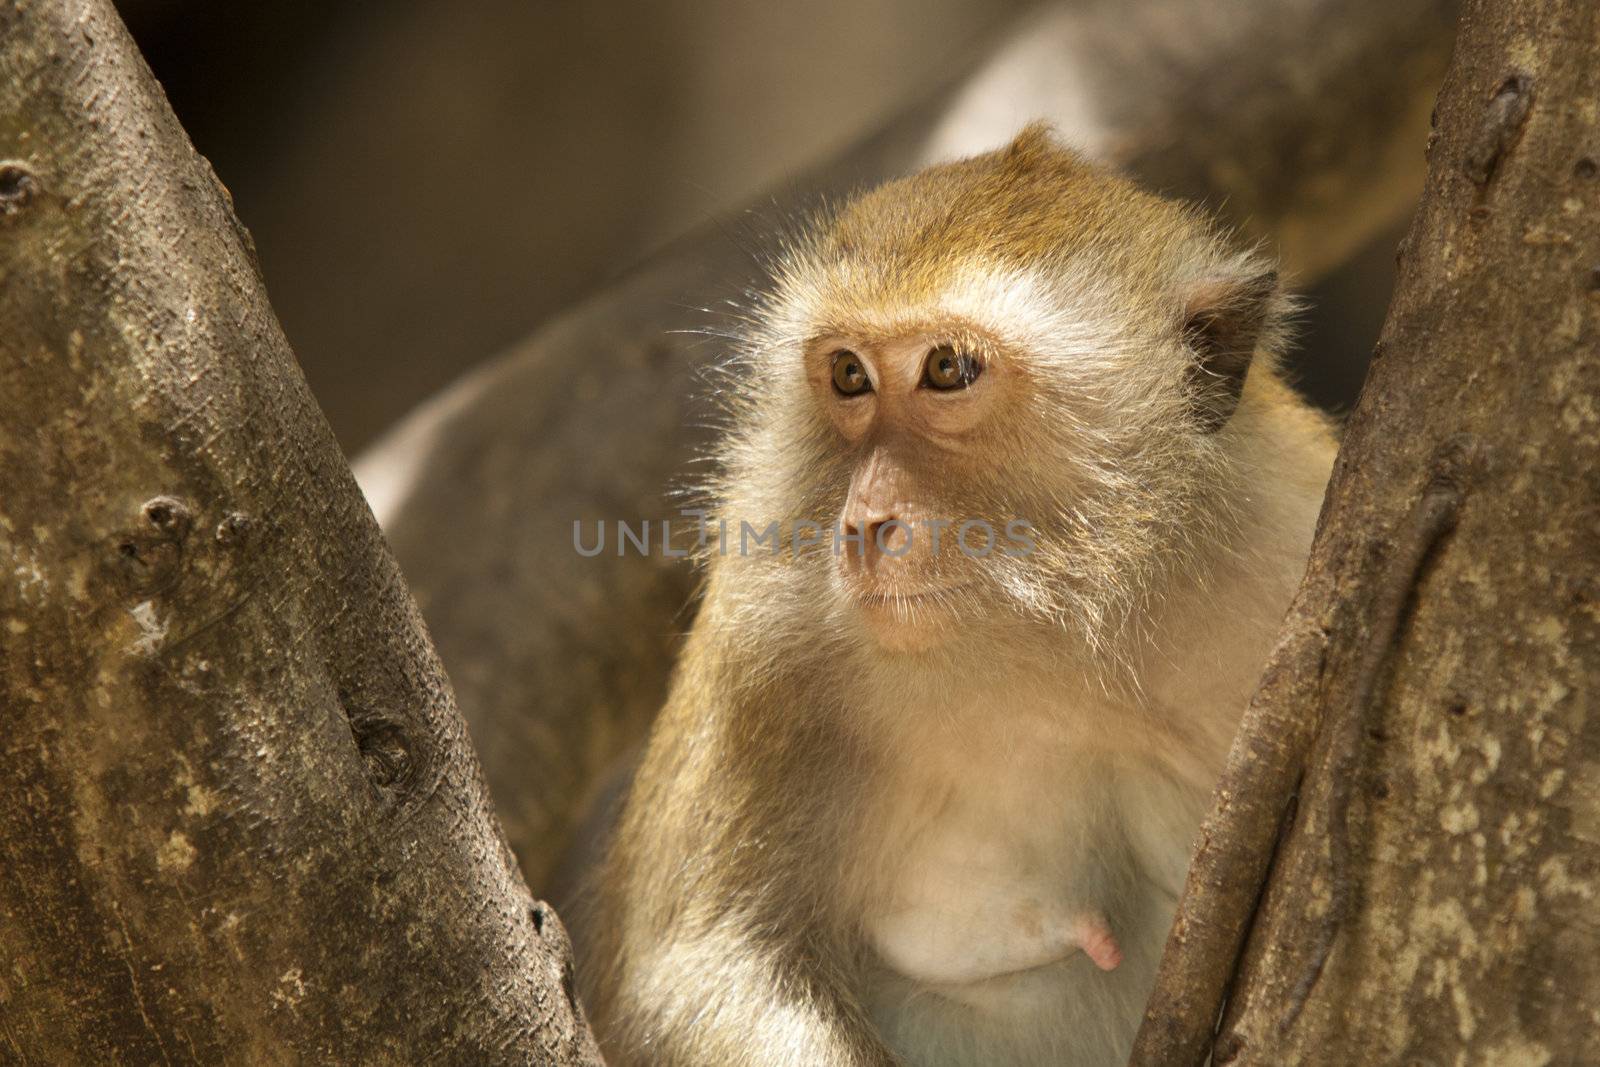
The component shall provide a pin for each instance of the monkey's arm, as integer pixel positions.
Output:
(718, 941)
(721, 996)
(711, 980)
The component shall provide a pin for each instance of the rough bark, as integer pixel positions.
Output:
(1429, 899)
(241, 820)
(1294, 117)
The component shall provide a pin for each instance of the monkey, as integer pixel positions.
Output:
(913, 804)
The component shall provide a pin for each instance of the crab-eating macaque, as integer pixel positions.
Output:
(925, 786)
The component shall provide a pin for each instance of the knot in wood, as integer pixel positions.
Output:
(149, 556)
(235, 529)
(18, 187)
(386, 751)
(1497, 130)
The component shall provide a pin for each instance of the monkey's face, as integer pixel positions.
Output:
(1001, 383)
(908, 411)
(1017, 455)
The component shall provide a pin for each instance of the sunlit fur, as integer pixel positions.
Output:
(810, 794)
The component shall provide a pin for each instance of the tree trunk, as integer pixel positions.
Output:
(1298, 117)
(1430, 900)
(241, 820)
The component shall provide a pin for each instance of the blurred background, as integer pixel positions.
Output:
(429, 180)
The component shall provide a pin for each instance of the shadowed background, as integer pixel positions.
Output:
(427, 181)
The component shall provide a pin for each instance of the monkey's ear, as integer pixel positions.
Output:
(1223, 320)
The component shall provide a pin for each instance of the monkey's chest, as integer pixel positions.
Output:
(979, 884)
(1012, 923)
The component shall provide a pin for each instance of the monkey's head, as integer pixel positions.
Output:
(1017, 385)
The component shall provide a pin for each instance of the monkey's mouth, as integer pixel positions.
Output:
(907, 599)
(907, 620)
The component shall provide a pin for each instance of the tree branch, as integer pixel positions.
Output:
(1436, 790)
(242, 819)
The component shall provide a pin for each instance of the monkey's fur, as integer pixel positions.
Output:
(845, 848)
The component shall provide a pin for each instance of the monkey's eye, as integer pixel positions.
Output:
(948, 369)
(849, 376)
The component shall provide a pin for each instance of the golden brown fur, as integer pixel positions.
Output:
(830, 826)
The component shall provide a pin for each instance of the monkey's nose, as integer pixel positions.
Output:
(868, 542)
